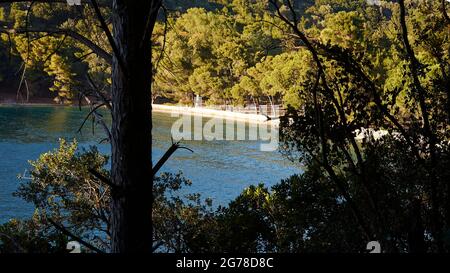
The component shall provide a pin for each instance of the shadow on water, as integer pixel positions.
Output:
(218, 169)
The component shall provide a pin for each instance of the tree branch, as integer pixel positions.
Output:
(444, 11)
(77, 238)
(319, 115)
(42, 1)
(167, 155)
(108, 33)
(414, 66)
(70, 33)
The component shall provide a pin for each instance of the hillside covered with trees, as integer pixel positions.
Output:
(229, 51)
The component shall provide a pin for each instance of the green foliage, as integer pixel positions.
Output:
(223, 50)
(63, 190)
(181, 222)
(30, 236)
(55, 62)
(395, 186)
(63, 78)
(208, 52)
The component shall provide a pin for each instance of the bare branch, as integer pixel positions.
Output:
(157, 245)
(99, 93)
(319, 116)
(101, 177)
(42, 1)
(444, 11)
(108, 33)
(70, 33)
(414, 66)
(164, 40)
(58, 47)
(88, 115)
(75, 237)
(167, 155)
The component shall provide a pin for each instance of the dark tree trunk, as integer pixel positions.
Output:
(131, 169)
(416, 233)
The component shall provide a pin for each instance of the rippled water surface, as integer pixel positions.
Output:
(218, 169)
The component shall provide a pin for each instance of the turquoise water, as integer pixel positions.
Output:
(218, 169)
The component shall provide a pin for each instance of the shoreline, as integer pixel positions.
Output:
(212, 113)
(173, 109)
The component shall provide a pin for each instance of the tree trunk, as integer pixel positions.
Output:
(416, 233)
(131, 165)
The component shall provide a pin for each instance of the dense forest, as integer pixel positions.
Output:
(229, 52)
(219, 50)
(336, 65)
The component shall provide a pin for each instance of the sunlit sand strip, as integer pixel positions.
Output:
(211, 113)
